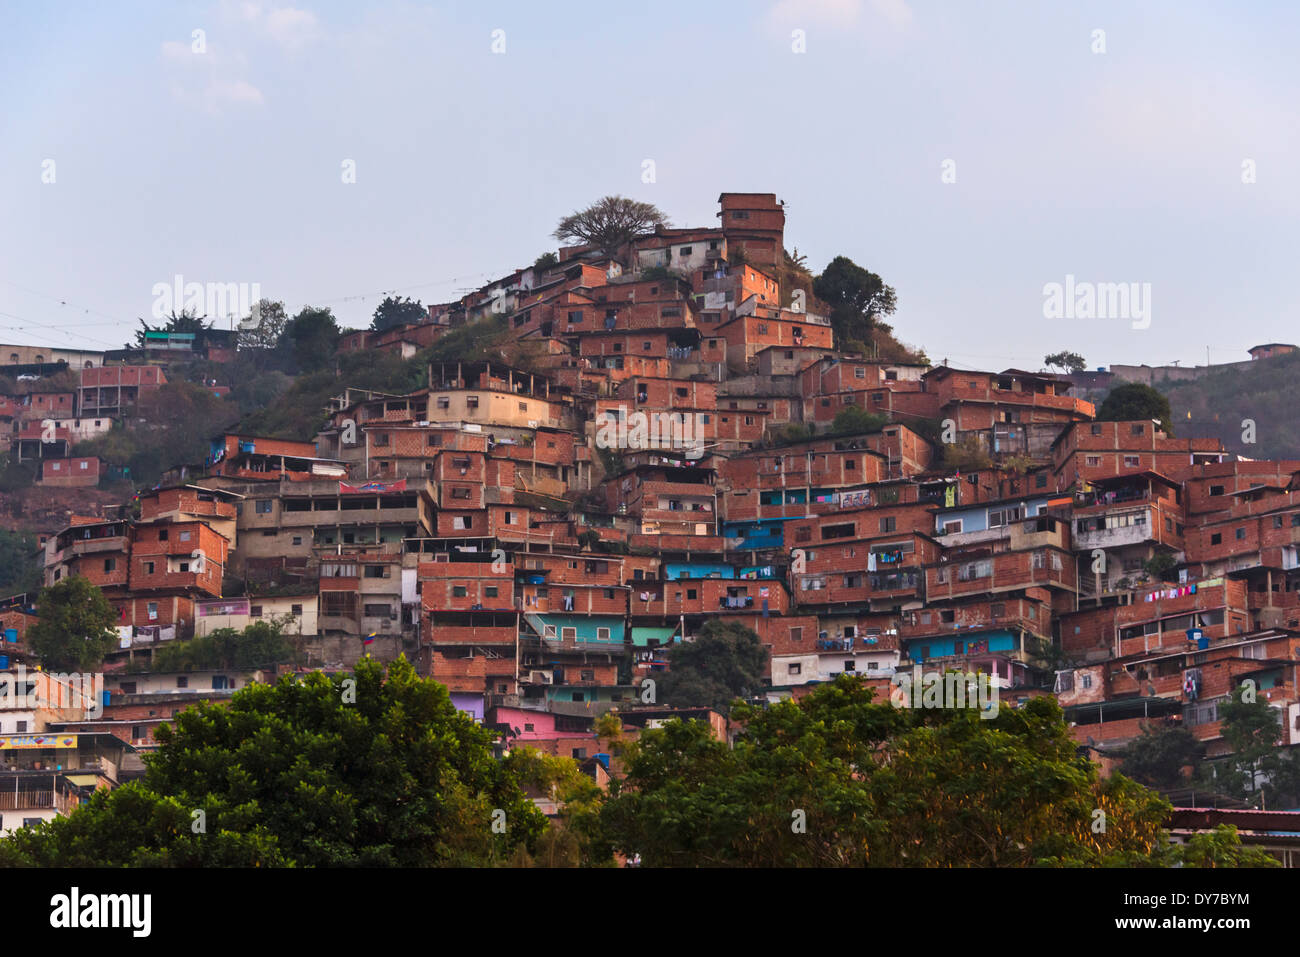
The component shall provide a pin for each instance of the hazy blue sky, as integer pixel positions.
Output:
(225, 166)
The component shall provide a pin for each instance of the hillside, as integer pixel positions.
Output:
(1219, 402)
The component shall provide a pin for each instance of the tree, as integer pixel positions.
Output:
(373, 769)
(1134, 400)
(853, 420)
(1157, 756)
(545, 261)
(74, 627)
(393, 312)
(857, 298)
(1068, 361)
(725, 661)
(966, 455)
(259, 645)
(1257, 769)
(608, 223)
(262, 329)
(837, 779)
(20, 563)
(312, 338)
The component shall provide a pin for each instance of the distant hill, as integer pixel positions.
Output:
(1267, 392)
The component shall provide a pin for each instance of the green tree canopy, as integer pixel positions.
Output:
(1066, 361)
(1134, 400)
(396, 311)
(725, 661)
(1157, 757)
(840, 780)
(261, 331)
(258, 645)
(312, 339)
(74, 626)
(858, 298)
(852, 420)
(371, 769)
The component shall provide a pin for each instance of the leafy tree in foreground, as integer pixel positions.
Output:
(1134, 400)
(293, 774)
(725, 661)
(840, 780)
(74, 627)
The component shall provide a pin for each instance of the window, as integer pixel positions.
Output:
(444, 402)
(148, 567)
(602, 634)
(1139, 429)
(110, 564)
(181, 682)
(1096, 430)
(1131, 462)
(1241, 534)
(490, 591)
(458, 591)
(471, 401)
(262, 506)
(888, 524)
(794, 668)
(1092, 460)
(1216, 489)
(376, 571)
(1277, 521)
(296, 610)
(163, 535)
(796, 634)
(568, 634)
(1216, 539)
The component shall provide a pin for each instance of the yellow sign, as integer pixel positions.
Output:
(38, 741)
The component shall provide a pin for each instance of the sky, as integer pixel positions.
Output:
(970, 154)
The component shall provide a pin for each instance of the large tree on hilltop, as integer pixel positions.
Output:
(858, 299)
(609, 222)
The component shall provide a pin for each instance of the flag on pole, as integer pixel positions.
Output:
(368, 639)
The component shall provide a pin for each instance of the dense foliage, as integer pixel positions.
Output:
(74, 626)
(371, 769)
